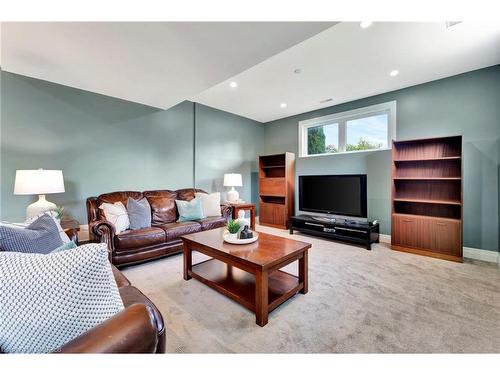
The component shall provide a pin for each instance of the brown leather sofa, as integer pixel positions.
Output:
(161, 239)
(139, 328)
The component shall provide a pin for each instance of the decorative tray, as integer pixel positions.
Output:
(236, 241)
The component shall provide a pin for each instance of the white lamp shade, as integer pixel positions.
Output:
(38, 181)
(232, 179)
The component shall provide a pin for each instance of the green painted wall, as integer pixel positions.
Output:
(467, 104)
(104, 144)
(226, 143)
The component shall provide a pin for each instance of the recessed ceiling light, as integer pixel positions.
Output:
(283, 105)
(365, 24)
(394, 73)
(233, 84)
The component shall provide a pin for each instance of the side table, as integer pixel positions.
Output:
(246, 207)
(71, 227)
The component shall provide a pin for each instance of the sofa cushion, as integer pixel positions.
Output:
(189, 210)
(162, 204)
(54, 215)
(212, 222)
(48, 300)
(117, 196)
(64, 247)
(117, 215)
(41, 236)
(139, 213)
(210, 203)
(130, 239)
(174, 231)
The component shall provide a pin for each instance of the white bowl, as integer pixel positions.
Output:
(236, 241)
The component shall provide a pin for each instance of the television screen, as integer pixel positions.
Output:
(334, 194)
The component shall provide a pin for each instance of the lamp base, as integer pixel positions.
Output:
(40, 206)
(232, 195)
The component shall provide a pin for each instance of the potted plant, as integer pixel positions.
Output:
(233, 227)
(58, 213)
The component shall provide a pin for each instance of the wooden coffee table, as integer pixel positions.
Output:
(249, 274)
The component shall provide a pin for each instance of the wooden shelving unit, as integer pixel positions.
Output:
(427, 201)
(276, 189)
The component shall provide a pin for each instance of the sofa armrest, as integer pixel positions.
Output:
(104, 231)
(226, 211)
(132, 330)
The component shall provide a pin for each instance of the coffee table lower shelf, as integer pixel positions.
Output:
(239, 285)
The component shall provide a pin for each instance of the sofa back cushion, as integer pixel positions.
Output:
(117, 196)
(162, 202)
(187, 194)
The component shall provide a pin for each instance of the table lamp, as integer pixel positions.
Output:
(233, 179)
(41, 182)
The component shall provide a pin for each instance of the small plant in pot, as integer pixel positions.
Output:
(59, 212)
(233, 227)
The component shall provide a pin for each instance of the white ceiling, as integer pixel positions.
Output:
(346, 63)
(158, 64)
(161, 64)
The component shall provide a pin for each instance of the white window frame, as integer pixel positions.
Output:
(341, 119)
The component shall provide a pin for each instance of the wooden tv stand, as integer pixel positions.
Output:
(359, 233)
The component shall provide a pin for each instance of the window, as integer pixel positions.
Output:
(363, 129)
(322, 139)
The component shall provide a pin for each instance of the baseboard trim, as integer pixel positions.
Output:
(481, 254)
(469, 252)
(385, 238)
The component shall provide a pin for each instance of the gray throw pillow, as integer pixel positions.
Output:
(139, 213)
(50, 299)
(41, 236)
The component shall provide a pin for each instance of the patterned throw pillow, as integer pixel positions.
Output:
(53, 215)
(117, 215)
(210, 203)
(48, 300)
(189, 210)
(41, 236)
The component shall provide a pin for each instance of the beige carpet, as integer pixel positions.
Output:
(359, 301)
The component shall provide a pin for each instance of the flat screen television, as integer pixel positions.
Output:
(343, 195)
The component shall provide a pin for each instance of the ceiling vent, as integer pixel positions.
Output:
(452, 23)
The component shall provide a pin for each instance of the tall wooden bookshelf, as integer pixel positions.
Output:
(427, 199)
(276, 189)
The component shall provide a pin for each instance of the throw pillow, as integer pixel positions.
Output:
(189, 210)
(117, 215)
(210, 203)
(139, 213)
(67, 246)
(41, 236)
(53, 215)
(48, 300)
